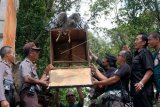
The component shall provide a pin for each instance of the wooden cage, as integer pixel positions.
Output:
(69, 47)
(69, 50)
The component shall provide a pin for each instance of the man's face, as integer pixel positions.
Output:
(10, 55)
(138, 43)
(71, 99)
(120, 58)
(105, 62)
(152, 42)
(34, 54)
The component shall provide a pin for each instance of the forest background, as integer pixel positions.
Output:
(130, 17)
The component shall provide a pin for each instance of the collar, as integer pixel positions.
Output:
(140, 50)
(3, 61)
(29, 61)
(26, 59)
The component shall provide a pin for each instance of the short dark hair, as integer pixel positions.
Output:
(144, 38)
(4, 50)
(111, 59)
(128, 57)
(155, 35)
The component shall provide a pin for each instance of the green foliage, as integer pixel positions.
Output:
(132, 17)
(32, 18)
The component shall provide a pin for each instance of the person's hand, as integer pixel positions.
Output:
(93, 68)
(44, 83)
(139, 86)
(48, 69)
(94, 81)
(4, 103)
(90, 53)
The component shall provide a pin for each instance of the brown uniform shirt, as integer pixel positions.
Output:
(5, 73)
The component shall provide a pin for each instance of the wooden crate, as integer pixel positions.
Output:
(69, 53)
(71, 59)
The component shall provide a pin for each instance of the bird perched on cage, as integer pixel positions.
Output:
(63, 22)
(80, 24)
(57, 22)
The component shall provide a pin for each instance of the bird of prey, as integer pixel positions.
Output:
(63, 22)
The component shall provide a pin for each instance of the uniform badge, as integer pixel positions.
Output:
(156, 62)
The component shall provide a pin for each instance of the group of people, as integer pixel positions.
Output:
(123, 77)
(134, 77)
(31, 84)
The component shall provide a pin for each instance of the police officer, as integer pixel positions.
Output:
(6, 79)
(30, 81)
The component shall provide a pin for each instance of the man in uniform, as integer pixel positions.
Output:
(141, 75)
(154, 42)
(6, 78)
(30, 81)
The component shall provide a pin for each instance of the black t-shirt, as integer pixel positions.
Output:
(124, 73)
(142, 62)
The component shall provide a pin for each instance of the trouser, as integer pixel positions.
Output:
(142, 100)
(10, 98)
(28, 100)
(158, 99)
(112, 103)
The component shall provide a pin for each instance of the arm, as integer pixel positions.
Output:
(46, 72)
(93, 55)
(98, 61)
(144, 80)
(25, 73)
(108, 81)
(81, 96)
(97, 73)
(56, 98)
(147, 62)
(3, 101)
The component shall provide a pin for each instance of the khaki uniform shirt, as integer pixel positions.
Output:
(27, 68)
(5, 73)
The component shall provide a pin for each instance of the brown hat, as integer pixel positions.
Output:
(31, 45)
